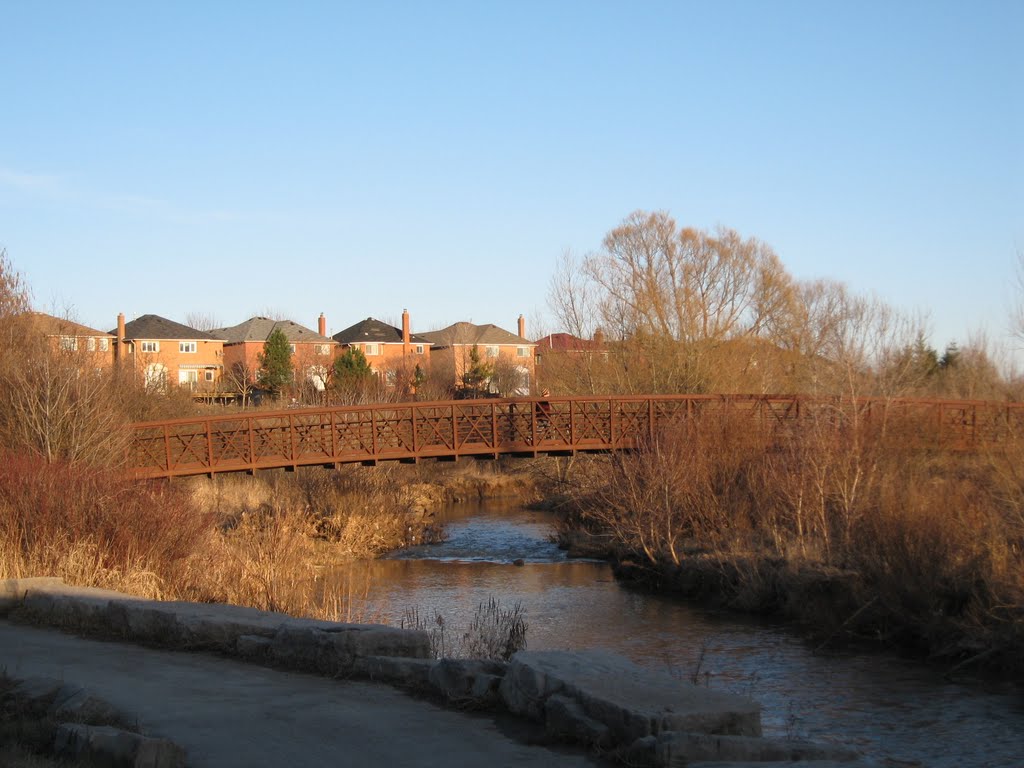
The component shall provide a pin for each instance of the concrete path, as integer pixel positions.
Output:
(226, 713)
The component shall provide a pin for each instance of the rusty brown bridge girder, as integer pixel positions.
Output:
(248, 441)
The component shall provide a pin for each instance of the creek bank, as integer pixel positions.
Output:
(594, 699)
(831, 606)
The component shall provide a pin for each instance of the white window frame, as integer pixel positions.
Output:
(150, 346)
(210, 374)
(104, 344)
(291, 348)
(188, 376)
(188, 347)
(419, 349)
(90, 344)
(492, 351)
(522, 352)
(371, 350)
(68, 344)
(323, 349)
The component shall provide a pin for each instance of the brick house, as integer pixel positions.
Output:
(312, 352)
(510, 355)
(94, 349)
(391, 352)
(166, 353)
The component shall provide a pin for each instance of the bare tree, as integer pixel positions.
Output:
(1017, 312)
(202, 321)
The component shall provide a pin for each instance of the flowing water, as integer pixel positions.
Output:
(890, 708)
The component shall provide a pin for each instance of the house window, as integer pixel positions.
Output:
(371, 349)
(104, 345)
(323, 349)
(68, 343)
(90, 344)
(151, 346)
(210, 374)
(419, 349)
(186, 346)
(188, 379)
(492, 351)
(291, 348)
(522, 352)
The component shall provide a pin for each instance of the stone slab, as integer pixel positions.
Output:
(13, 590)
(631, 701)
(212, 626)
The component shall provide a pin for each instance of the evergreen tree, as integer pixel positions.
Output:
(276, 369)
(351, 368)
(478, 373)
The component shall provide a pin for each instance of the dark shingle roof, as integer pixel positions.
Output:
(467, 333)
(156, 327)
(374, 331)
(260, 328)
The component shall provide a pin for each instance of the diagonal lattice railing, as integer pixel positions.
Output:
(529, 427)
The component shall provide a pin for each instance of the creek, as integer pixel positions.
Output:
(890, 708)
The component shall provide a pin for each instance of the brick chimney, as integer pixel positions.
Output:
(321, 325)
(119, 351)
(522, 326)
(406, 334)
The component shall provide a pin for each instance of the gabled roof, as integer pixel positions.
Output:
(374, 331)
(59, 326)
(260, 328)
(469, 334)
(156, 327)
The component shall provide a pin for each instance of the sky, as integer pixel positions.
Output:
(231, 159)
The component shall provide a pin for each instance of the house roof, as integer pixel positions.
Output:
(566, 342)
(260, 328)
(374, 331)
(469, 334)
(156, 327)
(59, 326)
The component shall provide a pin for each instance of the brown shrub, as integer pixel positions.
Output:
(94, 526)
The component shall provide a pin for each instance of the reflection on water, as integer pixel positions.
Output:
(887, 707)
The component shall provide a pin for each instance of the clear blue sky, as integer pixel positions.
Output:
(360, 158)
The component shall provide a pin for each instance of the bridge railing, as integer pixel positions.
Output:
(248, 441)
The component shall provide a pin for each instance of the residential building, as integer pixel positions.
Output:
(312, 351)
(508, 357)
(166, 353)
(93, 349)
(393, 353)
(566, 343)
(570, 364)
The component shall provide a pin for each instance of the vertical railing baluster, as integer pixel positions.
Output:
(209, 444)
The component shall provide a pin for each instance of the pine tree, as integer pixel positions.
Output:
(276, 370)
(351, 368)
(478, 373)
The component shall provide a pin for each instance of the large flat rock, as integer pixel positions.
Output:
(629, 700)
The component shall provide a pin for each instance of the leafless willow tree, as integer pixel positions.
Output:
(690, 310)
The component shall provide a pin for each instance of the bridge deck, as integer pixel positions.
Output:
(247, 441)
